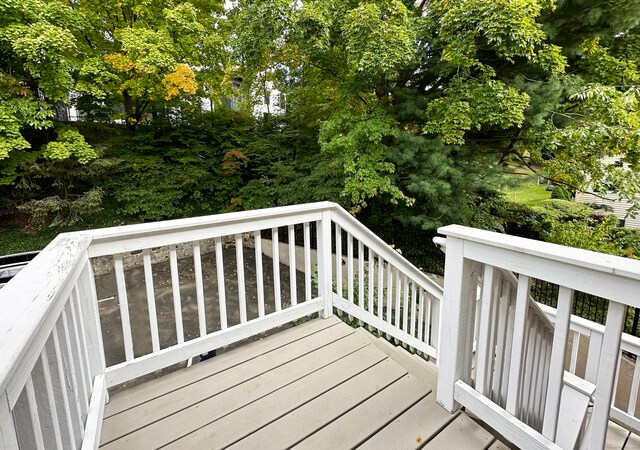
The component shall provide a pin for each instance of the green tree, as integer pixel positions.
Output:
(39, 54)
(425, 105)
(147, 54)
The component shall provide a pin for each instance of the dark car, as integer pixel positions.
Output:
(10, 265)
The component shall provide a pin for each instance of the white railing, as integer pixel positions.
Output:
(383, 289)
(51, 363)
(584, 361)
(55, 370)
(473, 253)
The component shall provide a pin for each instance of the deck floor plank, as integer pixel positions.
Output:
(240, 424)
(201, 412)
(616, 436)
(463, 432)
(633, 442)
(412, 429)
(305, 420)
(354, 427)
(320, 385)
(145, 392)
(158, 408)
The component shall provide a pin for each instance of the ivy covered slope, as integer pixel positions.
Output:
(422, 104)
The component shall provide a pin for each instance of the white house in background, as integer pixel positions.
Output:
(611, 200)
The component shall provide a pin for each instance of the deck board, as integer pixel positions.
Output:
(142, 393)
(354, 427)
(616, 436)
(322, 410)
(247, 421)
(412, 429)
(200, 412)
(321, 384)
(463, 432)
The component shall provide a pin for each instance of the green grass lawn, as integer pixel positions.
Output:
(530, 193)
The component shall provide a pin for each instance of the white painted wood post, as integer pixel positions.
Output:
(324, 267)
(606, 374)
(91, 319)
(518, 345)
(457, 310)
(8, 434)
(556, 368)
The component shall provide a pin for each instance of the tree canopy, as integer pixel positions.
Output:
(418, 109)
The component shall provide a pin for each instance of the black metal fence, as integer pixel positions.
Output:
(587, 306)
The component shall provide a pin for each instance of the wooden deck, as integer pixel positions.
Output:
(318, 385)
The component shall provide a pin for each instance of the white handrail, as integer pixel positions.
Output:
(51, 315)
(613, 278)
(371, 240)
(31, 303)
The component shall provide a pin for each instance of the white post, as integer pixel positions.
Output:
(457, 323)
(91, 319)
(606, 374)
(324, 264)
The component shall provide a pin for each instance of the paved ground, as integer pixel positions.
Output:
(138, 310)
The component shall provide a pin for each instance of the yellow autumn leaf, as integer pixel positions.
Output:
(180, 79)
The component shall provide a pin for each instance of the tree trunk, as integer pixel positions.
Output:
(131, 120)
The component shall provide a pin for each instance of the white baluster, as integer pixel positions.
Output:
(257, 240)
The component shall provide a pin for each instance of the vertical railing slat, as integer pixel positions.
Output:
(635, 384)
(33, 413)
(325, 278)
(86, 388)
(556, 370)
(82, 331)
(380, 285)
(484, 353)
(360, 276)
(307, 261)
(197, 269)
(257, 243)
(48, 384)
(275, 252)
(350, 267)
(414, 303)
(517, 349)
(72, 371)
(405, 308)
(222, 300)
(124, 306)
(421, 305)
(292, 265)
(242, 288)
(339, 287)
(431, 323)
(8, 432)
(370, 280)
(499, 379)
(63, 388)
(175, 286)
(151, 300)
(389, 293)
(398, 291)
(575, 346)
(593, 357)
(606, 374)
(508, 345)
